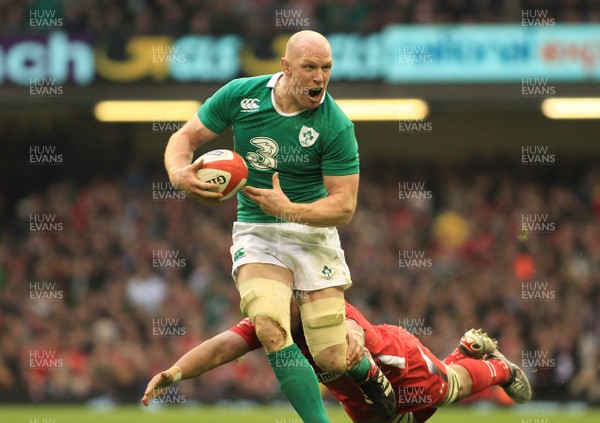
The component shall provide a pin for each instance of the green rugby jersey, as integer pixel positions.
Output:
(301, 146)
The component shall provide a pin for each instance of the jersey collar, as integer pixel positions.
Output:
(271, 84)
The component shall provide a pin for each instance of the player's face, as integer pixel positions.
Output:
(309, 76)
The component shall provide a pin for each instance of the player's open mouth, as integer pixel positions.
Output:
(314, 93)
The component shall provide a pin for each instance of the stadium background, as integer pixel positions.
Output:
(107, 276)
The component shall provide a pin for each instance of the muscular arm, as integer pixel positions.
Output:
(221, 349)
(178, 160)
(334, 210)
(214, 352)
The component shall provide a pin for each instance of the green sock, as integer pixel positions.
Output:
(359, 372)
(299, 383)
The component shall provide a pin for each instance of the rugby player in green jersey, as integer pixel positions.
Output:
(302, 157)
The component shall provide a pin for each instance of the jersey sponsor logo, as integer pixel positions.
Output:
(265, 155)
(307, 136)
(250, 105)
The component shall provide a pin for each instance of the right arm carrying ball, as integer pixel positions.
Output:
(178, 161)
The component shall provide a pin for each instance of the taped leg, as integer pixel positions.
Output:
(268, 298)
(324, 323)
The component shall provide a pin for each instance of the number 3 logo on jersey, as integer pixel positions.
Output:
(265, 155)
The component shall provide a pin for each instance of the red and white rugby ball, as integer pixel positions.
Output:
(226, 168)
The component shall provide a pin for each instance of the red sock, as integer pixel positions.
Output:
(455, 356)
(485, 373)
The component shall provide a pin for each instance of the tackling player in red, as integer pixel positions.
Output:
(421, 381)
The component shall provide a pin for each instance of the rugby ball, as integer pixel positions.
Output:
(226, 168)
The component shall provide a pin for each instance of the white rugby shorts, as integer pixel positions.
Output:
(314, 255)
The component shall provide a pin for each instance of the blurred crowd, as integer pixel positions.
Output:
(258, 17)
(105, 284)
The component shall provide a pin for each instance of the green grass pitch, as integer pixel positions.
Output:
(539, 413)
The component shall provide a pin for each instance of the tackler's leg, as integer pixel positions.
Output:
(479, 365)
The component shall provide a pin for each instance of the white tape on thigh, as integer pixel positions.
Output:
(324, 323)
(269, 298)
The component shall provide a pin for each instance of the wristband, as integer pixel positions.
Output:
(175, 371)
